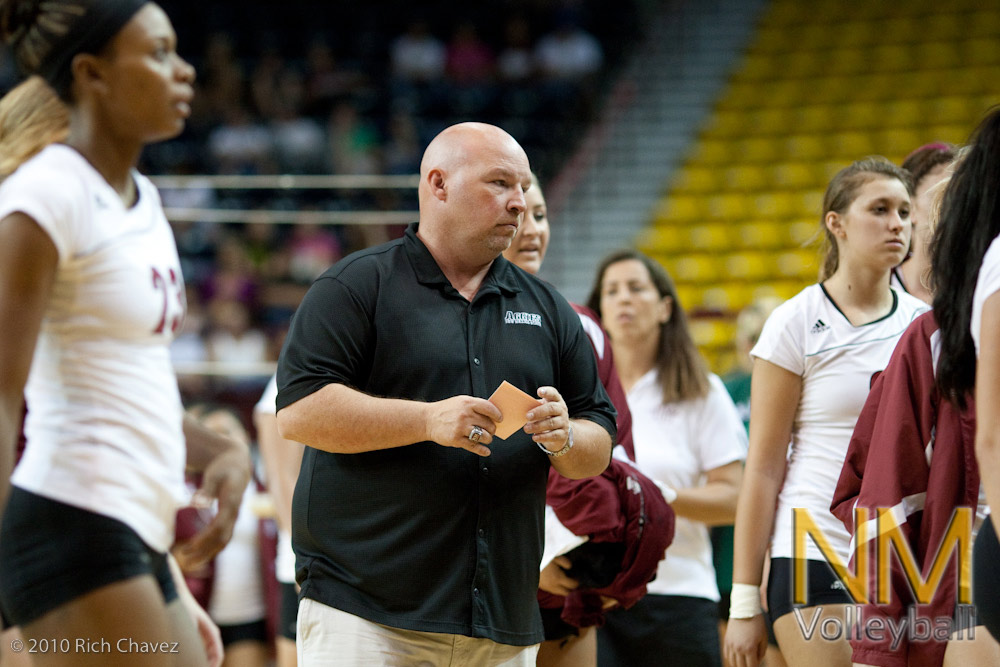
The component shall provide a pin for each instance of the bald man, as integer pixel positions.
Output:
(417, 532)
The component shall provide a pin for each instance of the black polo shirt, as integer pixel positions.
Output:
(426, 537)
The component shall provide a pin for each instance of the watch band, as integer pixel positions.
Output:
(565, 448)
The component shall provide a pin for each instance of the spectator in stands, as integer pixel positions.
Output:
(812, 367)
(232, 587)
(298, 138)
(688, 437)
(327, 79)
(928, 166)
(568, 53)
(403, 145)
(232, 338)
(107, 439)
(516, 61)
(417, 55)
(240, 144)
(596, 509)
(354, 141)
(966, 257)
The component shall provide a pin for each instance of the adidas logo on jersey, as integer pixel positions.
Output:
(819, 327)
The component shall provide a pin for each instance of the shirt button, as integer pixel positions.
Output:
(486, 472)
(475, 360)
(475, 591)
(482, 533)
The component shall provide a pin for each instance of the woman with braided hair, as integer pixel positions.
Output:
(90, 297)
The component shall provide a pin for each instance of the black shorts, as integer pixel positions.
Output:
(254, 631)
(985, 582)
(288, 611)
(823, 587)
(661, 631)
(52, 553)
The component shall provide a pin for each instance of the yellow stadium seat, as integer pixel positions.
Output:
(710, 152)
(904, 113)
(774, 205)
(806, 147)
(728, 206)
(981, 51)
(680, 208)
(710, 238)
(663, 239)
(760, 235)
(791, 175)
(861, 116)
(748, 266)
(814, 118)
(727, 296)
(748, 178)
(852, 145)
(757, 149)
(797, 264)
(712, 332)
(804, 232)
(688, 295)
(695, 180)
(890, 58)
(696, 269)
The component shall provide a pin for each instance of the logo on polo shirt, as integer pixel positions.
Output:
(819, 327)
(523, 318)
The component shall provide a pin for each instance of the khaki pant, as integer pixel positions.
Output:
(328, 636)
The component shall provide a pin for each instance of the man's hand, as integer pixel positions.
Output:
(450, 423)
(225, 479)
(548, 424)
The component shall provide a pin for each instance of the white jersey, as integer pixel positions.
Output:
(104, 426)
(987, 284)
(677, 444)
(809, 336)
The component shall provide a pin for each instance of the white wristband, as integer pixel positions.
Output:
(744, 601)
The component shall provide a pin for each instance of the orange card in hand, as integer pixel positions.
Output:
(514, 404)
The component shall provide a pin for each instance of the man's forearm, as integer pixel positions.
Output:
(591, 453)
(339, 419)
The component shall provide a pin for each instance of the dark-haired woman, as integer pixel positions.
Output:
(688, 436)
(90, 296)
(966, 257)
(812, 367)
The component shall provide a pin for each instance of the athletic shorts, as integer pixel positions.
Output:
(288, 611)
(254, 631)
(823, 587)
(52, 553)
(985, 583)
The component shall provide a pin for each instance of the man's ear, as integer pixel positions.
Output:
(88, 72)
(436, 184)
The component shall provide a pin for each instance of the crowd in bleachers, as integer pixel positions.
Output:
(306, 88)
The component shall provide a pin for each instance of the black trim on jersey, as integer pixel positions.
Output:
(895, 303)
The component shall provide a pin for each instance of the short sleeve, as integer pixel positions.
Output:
(721, 434)
(51, 197)
(327, 343)
(780, 341)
